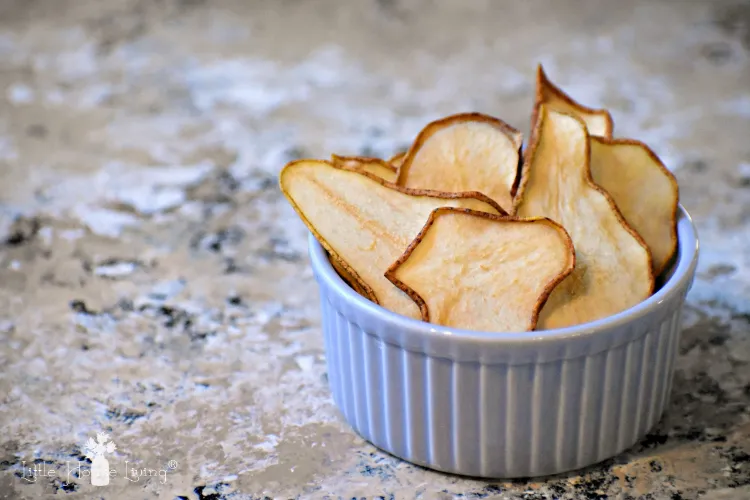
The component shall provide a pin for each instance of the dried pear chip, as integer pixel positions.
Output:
(477, 271)
(365, 222)
(598, 121)
(466, 152)
(397, 159)
(375, 166)
(645, 192)
(613, 265)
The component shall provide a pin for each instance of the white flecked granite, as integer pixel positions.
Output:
(154, 283)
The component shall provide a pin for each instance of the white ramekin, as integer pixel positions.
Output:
(503, 405)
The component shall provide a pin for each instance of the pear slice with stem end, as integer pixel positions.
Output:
(465, 152)
(375, 166)
(598, 121)
(476, 271)
(365, 223)
(644, 190)
(613, 265)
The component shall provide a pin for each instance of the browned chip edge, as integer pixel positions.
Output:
(517, 180)
(672, 180)
(347, 277)
(531, 151)
(338, 160)
(369, 293)
(436, 125)
(397, 160)
(543, 83)
(390, 273)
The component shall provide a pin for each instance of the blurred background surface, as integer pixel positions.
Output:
(155, 284)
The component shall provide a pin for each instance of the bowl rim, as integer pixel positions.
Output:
(683, 272)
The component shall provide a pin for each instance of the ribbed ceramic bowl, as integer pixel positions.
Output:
(503, 405)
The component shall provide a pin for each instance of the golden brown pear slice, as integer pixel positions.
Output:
(613, 265)
(477, 271)
(645, 192)
(365, 222)
(598, 121)
(466, 152)
(375, 166)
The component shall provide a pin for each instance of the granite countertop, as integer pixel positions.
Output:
(154, 283)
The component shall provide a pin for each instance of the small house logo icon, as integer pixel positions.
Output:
(95, 451)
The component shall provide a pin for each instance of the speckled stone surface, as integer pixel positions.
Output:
(155, 285)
